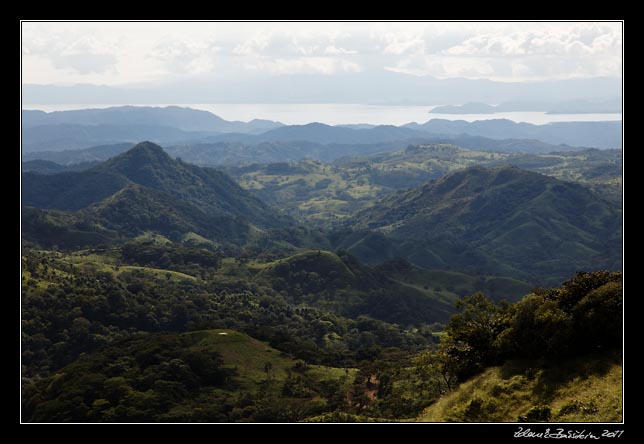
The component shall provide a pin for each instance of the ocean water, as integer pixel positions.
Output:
(347, 113)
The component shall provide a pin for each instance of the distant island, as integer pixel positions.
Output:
(569, 107)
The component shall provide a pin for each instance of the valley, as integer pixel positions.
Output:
(318, 274)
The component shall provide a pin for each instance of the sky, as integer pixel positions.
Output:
(153, 54)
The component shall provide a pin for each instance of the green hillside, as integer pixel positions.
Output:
(416, 285)
(149, 165)
(143, 190)
(305, 268)
(326, 193)
(503, 221)
(203, 376)
(49, 228)
(585, 389)
(136, 209)
(555, 355)
(339, 283)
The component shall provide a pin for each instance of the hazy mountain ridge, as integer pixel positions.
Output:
(587, 134)
(384, 87)
(66, 130)
(186, 119)
(227, 153)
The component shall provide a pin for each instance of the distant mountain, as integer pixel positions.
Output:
(69, 136)
(377, 87)
(587, 134)
(145, 189)
(325, 134)
(510, 146)
(506, 221)
(247, 152)
(577, 134)
(357, 125)
(75, 130)
(186, 119)
(42, 166)
(69, 157)
(65, 130)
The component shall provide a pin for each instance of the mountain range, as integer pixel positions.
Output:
(381, 87)
(504, 221)
(145, 189)
(72, 130)
(241, 153)
(186, 119)
(154, 290)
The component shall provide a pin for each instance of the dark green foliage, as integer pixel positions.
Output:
(504, 221)
(80, 308)
(584, 315)
(47, 167)
(108, 334)
(71, 159)
(470, 335)
(51, 228)
(340, 283)
(169, 256)
(137, 379)
(69, 190)
(135, 210)
(215, 193)
(144, 189)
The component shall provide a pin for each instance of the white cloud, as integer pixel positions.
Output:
(334, 50)
(121, 53)
(184, 57)
(253, 45)
(303, 65)
(594, 40)
(84, 55)
(402, 43)
(443, 67)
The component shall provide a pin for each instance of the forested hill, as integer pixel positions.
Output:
(141, 190)
(504, 220)
(149, 166)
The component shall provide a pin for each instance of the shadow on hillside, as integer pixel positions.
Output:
(551, 375)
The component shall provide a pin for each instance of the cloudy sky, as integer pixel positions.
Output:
(151, 53)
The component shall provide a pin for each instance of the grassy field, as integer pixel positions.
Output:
(587, 389)
(256, 361)
(449, 286)
(324, 193)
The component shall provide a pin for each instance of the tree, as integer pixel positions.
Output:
(437, 369)
(471, 335)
